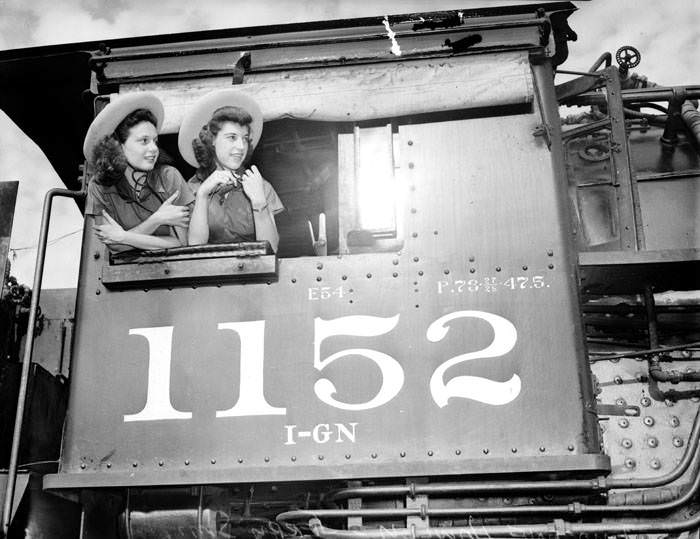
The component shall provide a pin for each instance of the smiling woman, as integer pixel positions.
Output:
(233, 203)
(135, 201)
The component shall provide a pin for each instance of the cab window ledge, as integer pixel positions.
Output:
(192, 265)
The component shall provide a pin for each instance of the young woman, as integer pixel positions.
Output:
(233, 203)
(136, 201)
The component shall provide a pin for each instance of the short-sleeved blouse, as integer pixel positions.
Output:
(230, 216)
(121, 203)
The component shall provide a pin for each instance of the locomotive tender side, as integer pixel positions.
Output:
(431, 374)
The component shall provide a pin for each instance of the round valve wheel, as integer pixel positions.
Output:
(628, 57)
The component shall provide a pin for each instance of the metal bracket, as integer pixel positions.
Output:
(615, 409)
(355, 522)
(240, 67)
(544, 131)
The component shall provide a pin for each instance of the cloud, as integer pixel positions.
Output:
(104, 10)
(667, 50)
(16, 26)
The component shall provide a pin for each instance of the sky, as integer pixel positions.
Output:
(666, 33)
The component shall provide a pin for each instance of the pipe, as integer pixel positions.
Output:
(605, 57)
(674, 121)
(656, 373)
(691, 117)
(650, 351)
(557, 528)
(641, 95)
(600, 484)
(658, 120)
(673, 499)
(660, 375)
(28, 346)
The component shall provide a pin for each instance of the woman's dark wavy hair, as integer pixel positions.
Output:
(203, 145)
(108, 158)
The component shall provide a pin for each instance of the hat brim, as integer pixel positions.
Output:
(112, 115)
(201, 112)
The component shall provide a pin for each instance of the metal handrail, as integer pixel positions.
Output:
(28, 346)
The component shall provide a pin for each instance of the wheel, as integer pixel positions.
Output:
(628, 57)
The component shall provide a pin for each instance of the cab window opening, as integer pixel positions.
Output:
(349, 172)
(353, 187)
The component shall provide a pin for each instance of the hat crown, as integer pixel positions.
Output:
(109, 118)
(203, 110)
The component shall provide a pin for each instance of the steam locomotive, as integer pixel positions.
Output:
(489, 331)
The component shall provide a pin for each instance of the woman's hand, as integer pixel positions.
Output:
(110, 232)
(215, 179)
(252, 183)
(170, 214)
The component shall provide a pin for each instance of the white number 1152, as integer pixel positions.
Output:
(251, 399)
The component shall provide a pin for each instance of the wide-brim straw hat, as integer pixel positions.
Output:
(202, 111)
(112, 115)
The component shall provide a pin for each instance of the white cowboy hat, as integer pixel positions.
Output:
(111, 116)
(202, 111)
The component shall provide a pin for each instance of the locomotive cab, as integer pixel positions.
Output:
(436, 338)
(423, 354)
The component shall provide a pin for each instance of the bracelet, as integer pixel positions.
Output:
(260, 208)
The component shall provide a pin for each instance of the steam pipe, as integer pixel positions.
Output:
(605, 57)
(28, 346)
(691, 117)
(660, 375)
(656, 373)
(575, 508)
(657, 93)
(651, 351)
(599, 484)
(557, 528)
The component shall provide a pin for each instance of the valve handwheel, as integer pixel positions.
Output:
(628, 57)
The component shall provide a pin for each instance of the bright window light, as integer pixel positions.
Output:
(376, 185)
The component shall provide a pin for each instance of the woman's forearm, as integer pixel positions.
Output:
(265, 227)
(198, 232)
(144, 241)
(148, 226)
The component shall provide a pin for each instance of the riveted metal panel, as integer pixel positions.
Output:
(485, 250)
